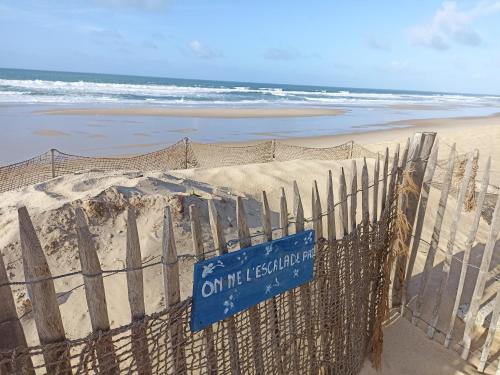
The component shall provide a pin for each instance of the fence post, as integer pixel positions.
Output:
(221, 246)
(273, 149)
(419, 151)
(343, 224)
(385, 172)
(305, 289)
(52, 162)
(375, 189)
(46, 312)
(330, 206)
(172, 292)
(200, 255)
(94, 291)
(186, 146)
(354, 194)
(11, 331)
(135, 287)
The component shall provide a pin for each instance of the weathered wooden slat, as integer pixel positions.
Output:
(283, 214)
(365, 209)
(343, 224)
(354, 194)
(291, 300)
(470, 319)
(376, 172)
(491, 333)
(173, 292)
(389, 203)
(135, 287)
(11, 331)
(94, 292)
(318, 218)
(41, 289)
(424, 197)
(331, 227)
(385, 173)
(469, 242)
(305, 289)
(429, 261)
(221, 247)
(415, 157)
(271, 305)
(253, 312)
(208, 334)
(445, 272)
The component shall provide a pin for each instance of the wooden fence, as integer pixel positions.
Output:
(445, 295)
(329, 324)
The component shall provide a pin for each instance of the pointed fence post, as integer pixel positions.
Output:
(208, 333)
(46, 312)
(422, 207)
(271, 305)
(94, 292)
(253, 312)
(375, 189)
(172, 292)
(354, 194)
(343, 225)
(135, 288)
(445, 273)
(429, 261)
(11, 331)
(418, 154)
(221, 247)
(471, 235)
(331, 229)
(470, 319)
(305, 289)
(291, 300)
(385, 172)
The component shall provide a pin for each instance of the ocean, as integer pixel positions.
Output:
(27, 131)
(45, 87)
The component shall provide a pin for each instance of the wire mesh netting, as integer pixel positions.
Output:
(322, 326)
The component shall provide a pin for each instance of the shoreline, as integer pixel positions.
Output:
(230, 113)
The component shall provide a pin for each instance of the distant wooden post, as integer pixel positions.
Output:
(94, 291)
(424, 197)
(208, 334)
(291, 300)
(354, 194)
(418, 154)
(469, 242)
(445, 273)
(470, 319)
(221, 246)
(331, 227)
(11, 331)
(305, 289)
(46, 312)
(254, 314)
(186, 152)
(172, 292)
(375, 189)
(429, 261)
(135, 287)
(53, 162)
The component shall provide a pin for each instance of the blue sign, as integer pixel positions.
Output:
(233, 282)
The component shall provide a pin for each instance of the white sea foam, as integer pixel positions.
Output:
(44, 91)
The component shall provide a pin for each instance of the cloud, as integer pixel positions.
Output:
(378, 45)
(202, 51)
(450, 24)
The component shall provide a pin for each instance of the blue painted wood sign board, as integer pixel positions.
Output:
(233, 282)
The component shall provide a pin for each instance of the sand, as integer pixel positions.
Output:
(105, 195)
(200, 112)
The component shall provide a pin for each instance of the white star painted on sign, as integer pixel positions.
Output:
(295, 273)
(268, 289)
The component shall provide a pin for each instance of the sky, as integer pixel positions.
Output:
(451, 46)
